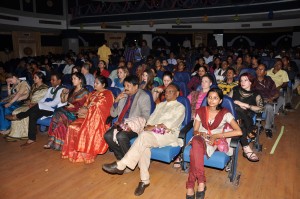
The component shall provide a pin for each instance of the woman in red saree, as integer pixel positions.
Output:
(84, 139)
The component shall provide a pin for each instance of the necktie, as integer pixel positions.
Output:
(125, 109)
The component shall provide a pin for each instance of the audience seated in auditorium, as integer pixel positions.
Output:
(62, 117)
(196, 97)
(44, 107)
(247, 104)
(102, 69)
(158, 93)
(198, 63)
(229, 81)
(84, 138)
(196, 80)
(265, 86)
(220, 73)
(131, 103)
(68, 67)
(209, 126)
(168, 116)
(147, 82)
(157, 80)
(90, 79)
(172, 59)
(281, 79)
(18, 128)
(238, 66)
(114, 74)
(119, 81)
(18, 92)
(255, 61)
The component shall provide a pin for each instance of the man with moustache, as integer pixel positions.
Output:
(133, 102)
(162, 129)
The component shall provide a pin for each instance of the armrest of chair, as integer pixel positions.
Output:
(234, 142)
(185, 130)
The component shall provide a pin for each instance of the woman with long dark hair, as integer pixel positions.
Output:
(63, 116)
(209, 126)
(85, 136)
(38, 91)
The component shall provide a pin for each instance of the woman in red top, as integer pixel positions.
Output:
(102, 69)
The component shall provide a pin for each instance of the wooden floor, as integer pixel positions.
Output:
(36, 173)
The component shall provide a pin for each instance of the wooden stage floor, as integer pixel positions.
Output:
(37, 173)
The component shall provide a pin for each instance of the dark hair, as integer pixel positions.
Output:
(220, 94)
(40, 75)
(132, 79)
(175, 85)
(209, 76)
(10, 75)
(232, 69)
(57, 75)
(264, 65)
(102, 80)
(76, 67)
(150, 80)
(168, 73)
(80, 76)
(104, 62)
(249, 76)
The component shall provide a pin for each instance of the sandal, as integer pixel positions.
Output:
(177, 163)
(11, 139)
(251, 156)
(47, 146)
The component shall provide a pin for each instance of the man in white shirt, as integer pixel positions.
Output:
(167, 117)
(90, 79)
(172, 59)
(68, 67)
(207, 57)
(45, 107)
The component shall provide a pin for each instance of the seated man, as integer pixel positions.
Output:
(133, 102)
(43, 108)
(167, 117)
(266, 87)
(229, 81)
(280, 77)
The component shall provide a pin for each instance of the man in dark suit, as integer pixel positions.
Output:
(133, 102)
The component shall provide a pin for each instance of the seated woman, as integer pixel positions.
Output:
(84, 140)
(102, 69)
(157, 79)
(158, 92)
(18, 91)
(247, 104)
(196, 97)
(38, 91)
(196, 80)
(209, 126)
(147, 80)
(122, 74)
(65, 115)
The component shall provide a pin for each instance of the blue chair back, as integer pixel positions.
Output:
(89, 88)
(188, 112)
(109, 82)
(248, 70)
(183, 88)
(182, 77)
(151, 101)
(115, 91)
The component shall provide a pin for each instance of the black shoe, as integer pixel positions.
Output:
(201, 194)
(288, 107)
(269, 133)
(140, 189)
(112, 168)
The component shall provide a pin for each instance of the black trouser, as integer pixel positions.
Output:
(123, 138)
(246, 124)
(34, 113)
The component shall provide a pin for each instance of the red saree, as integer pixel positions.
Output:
(85, 139)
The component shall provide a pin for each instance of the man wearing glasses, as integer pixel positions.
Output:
(162, 129)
